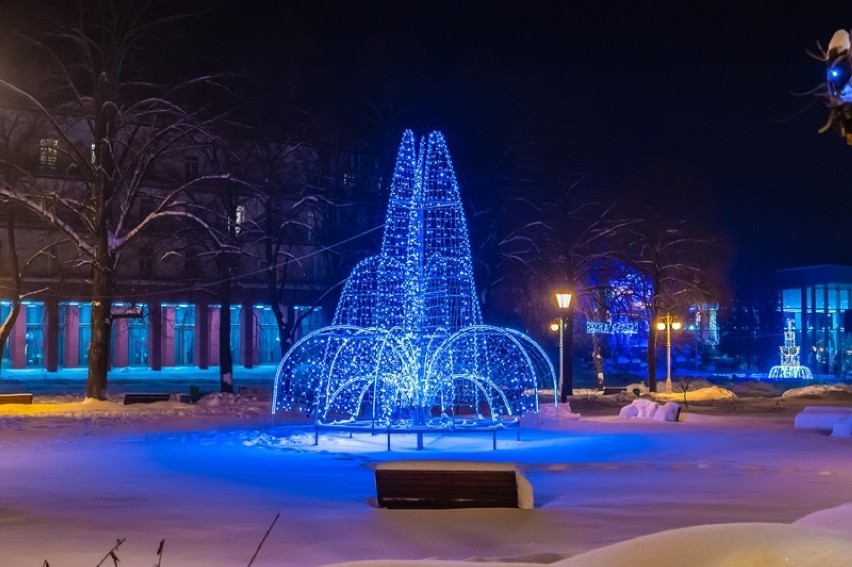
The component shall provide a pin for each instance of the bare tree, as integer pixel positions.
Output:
(542, 233)
(19, 133)
(677, 263)
(291, 195)
(113, 136)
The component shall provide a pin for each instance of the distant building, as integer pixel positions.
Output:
(819, 300)
(166, 308)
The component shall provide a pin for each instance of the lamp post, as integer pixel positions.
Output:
(566, 385)
(666, 324)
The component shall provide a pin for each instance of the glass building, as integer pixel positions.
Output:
(817, 299)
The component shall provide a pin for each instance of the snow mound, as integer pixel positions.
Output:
(821, 417)
(724, 545)
(842, 427)
(837, 519)
(719, 545)
(649, 409)
(690, 384)
(823, 391)
(755, 389)
(562, 411)
(232, 404)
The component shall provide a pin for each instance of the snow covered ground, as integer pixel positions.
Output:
(731, 484)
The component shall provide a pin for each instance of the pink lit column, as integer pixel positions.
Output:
(18, 344)
(71, 336)
(119, 347)
(167, 351)
(214, 335)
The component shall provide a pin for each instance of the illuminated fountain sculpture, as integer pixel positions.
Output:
(790, 367)
(407, 347)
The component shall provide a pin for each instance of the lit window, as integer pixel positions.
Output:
(238, 218)
(48, 152)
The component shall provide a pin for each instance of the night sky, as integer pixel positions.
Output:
(693, 105)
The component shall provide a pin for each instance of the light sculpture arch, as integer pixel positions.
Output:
(407, 347)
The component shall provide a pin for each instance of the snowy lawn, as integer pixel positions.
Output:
(731, 484)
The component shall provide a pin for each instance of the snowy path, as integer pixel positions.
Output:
(71, 487)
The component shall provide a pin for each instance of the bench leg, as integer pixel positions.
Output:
(419, 440)
(388, 440)
(494, 440)
(316, 435)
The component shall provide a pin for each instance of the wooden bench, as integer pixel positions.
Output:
(451, 484)
(16, 398)
(146, 398)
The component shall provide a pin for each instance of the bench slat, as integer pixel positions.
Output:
(446, 489)
(145, 398)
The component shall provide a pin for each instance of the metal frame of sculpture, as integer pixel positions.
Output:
(408, 348)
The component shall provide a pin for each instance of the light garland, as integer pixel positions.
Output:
(790, 367)
(407, 347)
(615, 328)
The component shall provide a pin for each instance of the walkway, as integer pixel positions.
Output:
(129, 379)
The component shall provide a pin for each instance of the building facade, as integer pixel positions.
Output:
(818, 299)
(276, 220)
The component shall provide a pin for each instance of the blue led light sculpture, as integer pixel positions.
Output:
(407, 347)
(790, 367)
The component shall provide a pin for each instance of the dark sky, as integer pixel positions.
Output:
(693, 104)
(688, 101)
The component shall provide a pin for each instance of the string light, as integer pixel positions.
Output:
(614, 328)
(790, 367)
(408, 347)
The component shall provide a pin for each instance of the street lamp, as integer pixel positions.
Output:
(566, 385)
(666, 324)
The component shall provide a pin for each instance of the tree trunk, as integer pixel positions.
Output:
(14, 276)
(285, 324)
(226, 362)
(597, 358)
(99, 345)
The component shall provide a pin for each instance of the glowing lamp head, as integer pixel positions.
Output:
(563, 300)
(554, 326)
(676, 325)
(839, 75)
(661, 326)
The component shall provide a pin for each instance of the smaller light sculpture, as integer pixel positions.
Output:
(790, 367)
